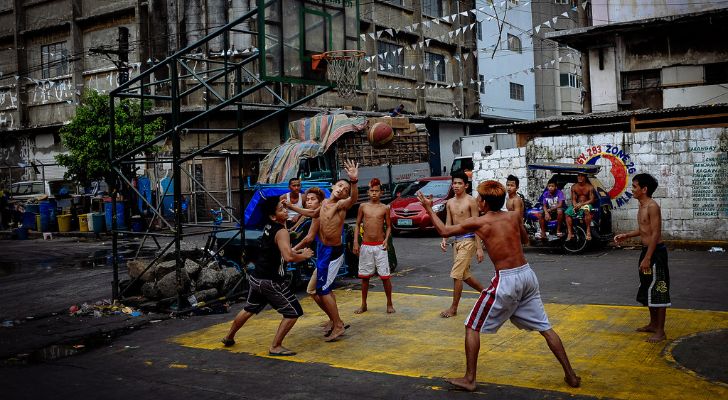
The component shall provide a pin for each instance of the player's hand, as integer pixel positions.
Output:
(619, 238)
(307, 253)
(547, 215)
(355, 249)
(443, 245)
(352, 170)
(385, 246)
(284, 202)
(479, 255)
(425, 200)
(645, 266)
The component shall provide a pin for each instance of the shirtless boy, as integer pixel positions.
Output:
(267, 278)
(329, 250)
(582, 204)
(514, 202)
(513, 293)
(461, 207)
(373, 252)
(654, 290)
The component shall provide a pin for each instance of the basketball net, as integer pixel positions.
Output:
(343, 69)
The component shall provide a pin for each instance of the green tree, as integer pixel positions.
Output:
(86, 137)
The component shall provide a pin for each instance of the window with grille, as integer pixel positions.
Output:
(433, 8)
(516, 91)
(54, 60)
(390, 58)
(435, 66)
(481, 80)
(480, 30)
(514, 43)
(634, 80)
(570, 80)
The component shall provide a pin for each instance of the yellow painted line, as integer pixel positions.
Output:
(178, 366)
(612, 359)
(440, 289)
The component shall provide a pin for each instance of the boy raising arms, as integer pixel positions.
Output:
(513, 293)
(329, 249)
(459, 208)
(654, 290)
(373, 252)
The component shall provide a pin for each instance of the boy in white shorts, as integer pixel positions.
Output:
(373, 256)
(513, 293)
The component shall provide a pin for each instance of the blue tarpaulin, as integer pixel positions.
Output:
(254, 216)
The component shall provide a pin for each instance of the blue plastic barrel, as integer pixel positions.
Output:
(120, 225)
(29, 220)
(136, 224)
(34, 208)
(48, 221)
(99, 223)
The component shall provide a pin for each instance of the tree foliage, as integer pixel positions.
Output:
(86, 137)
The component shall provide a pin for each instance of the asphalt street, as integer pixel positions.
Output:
(589, 298)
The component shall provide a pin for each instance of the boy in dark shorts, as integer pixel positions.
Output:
(654, 290)
(267, 279)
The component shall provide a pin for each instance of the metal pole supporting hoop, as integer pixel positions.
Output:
(343, 69)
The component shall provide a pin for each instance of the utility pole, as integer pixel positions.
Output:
(122, 53)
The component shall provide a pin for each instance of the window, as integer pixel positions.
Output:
(516, 91)
(390, 58)
(635, 80)
(396, 2)
(433, 8)
(481, 80)
(562, 1)
(480, 30)
(435, 66)
(570, 80)
(514, 43)
(54, 60)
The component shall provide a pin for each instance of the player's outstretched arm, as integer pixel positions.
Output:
(352, 170)
(303, 211)
(283, 240)
(442, 229)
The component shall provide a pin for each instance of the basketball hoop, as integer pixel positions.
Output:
(343, 67)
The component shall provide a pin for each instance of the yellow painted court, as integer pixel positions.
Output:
(612, 359)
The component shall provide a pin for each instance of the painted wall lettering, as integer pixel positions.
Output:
(621, 168)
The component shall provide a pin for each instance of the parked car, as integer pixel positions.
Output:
(23, 191)
(406, 212)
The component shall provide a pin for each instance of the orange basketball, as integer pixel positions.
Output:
(380, 135)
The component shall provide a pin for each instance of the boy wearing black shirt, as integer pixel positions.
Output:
(267, 279)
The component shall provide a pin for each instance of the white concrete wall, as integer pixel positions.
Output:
(694, 95)
(689, 164)
(611, 11)
(449, 134)
(496, 101)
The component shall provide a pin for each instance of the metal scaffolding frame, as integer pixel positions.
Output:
(239, 79)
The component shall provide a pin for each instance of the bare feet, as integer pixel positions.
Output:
(656, 338)
(449, 313)
(569, 238)
(361, 309)
(336, 333)
(573, 381)
(588, 237)
(646, 328)
(462, 383)
(390, 309)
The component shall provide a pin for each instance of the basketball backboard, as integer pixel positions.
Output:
(291, 31)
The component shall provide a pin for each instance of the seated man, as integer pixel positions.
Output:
(582, 204)
(553, 206)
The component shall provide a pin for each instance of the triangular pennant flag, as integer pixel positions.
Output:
(399, 50)
(372, 35)
(552, 62)
(415, 25)
(565, 14)
(464, 13)
(427, 42)
(561, 58)
(437, 62)
(446, 18)
(427, 23)
(368, 69)
(363, 36)
(537, 28)
(553, 20)
(547, 23)
(450, 33)
(379, 34)
(437, 21)
(465, 56)
(460, 84)
(391, 33)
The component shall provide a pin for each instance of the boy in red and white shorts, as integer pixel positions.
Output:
(373, 256)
